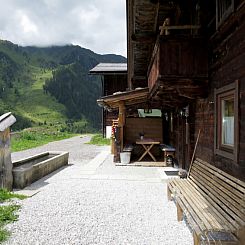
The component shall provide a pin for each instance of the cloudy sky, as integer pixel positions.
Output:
(99, 25)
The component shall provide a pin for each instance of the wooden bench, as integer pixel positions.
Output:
(168, 151)
(213, 204)
(128, 148)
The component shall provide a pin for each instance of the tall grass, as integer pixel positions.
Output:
(36, 137)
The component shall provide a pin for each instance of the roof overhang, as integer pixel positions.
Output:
(109, 69)
(129, 98)
(143, 20)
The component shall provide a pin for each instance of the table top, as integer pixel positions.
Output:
(147, 141)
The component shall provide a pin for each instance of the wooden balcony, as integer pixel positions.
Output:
(179, 69)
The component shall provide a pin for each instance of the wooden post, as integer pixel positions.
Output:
(121, 121)
(194, 152)
(241, 235)
(6, 166)
(114, 125)
(179, 212)
(196, 238)
(169, 194)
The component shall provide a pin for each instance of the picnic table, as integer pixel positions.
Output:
(147, 144)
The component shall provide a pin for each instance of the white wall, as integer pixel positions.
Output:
(108, 132)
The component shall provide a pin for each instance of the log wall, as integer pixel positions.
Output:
(114, 84)
(181, 57)
(226, 66)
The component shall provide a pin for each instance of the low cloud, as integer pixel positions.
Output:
(99, 25)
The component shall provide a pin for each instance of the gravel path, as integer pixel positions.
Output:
(93, 202)
(79, 152)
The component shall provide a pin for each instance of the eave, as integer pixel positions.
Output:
(129, 98)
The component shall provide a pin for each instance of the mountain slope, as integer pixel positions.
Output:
(51, 85)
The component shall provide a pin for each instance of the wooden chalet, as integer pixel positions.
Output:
(190, 56)
(113, 79)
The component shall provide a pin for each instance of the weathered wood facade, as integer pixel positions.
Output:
(226, 67)
(191, 55)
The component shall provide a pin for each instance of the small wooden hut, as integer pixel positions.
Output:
(113, 79)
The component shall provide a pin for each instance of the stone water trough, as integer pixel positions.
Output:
(28, 170)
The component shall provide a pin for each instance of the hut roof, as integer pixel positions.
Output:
(109, 68)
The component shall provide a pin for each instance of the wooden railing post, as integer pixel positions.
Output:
(6, 166)
(121, 121)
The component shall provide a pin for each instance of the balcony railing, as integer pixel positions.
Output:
(177, 59)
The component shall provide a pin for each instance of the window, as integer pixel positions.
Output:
(226, 120)
(149, 112)
(227, 124)
(223, 9)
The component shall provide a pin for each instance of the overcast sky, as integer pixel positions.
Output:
(99, 25)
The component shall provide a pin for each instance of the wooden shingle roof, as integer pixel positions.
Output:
(109, 68)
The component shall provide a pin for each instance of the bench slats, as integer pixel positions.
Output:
(231, 215)
(240, 190)
(220, 192)
(215, 220)
(223, 186)
(193, 218)
(203, 210)
(223, 200)
(228, 177)
(219, 211)
(212, 201)
(190, 219)
(219, 207)
(206, 216)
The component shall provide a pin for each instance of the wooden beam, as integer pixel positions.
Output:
(165, 24)
(154, 1)
(165, 28)
(144, 37)
(186, 95)
(156, 16)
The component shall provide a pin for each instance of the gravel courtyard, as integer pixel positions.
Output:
(93, 202)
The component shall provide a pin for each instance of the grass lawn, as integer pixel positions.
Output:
(98, 139)
(36, 105)
(36, 137)
(7, 212)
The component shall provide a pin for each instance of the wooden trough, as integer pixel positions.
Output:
(28, 170)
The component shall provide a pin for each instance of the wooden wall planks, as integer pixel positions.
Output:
(152, 128)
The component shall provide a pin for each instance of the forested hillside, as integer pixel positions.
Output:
(51, 86)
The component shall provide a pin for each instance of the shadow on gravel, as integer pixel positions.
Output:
(43, 181)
